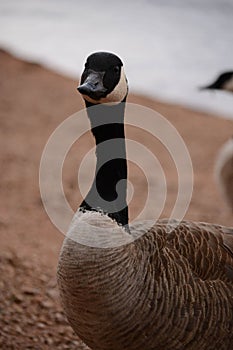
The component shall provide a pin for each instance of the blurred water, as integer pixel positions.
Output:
(169, 48)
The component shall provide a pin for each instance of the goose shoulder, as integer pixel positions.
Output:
(201, 249)
(206, 250)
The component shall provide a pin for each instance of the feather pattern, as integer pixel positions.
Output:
(163, 291)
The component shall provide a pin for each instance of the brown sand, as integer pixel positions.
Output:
(33, 102)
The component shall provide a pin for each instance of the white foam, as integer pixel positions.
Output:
(169, 48)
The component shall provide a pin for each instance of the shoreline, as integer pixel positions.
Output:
(168, 101)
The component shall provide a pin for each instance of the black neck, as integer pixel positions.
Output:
(107, 194)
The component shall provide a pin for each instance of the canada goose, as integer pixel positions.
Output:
(224, 171)
(223, 82)
(168, 289)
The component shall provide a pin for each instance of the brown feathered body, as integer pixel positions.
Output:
(224, 171)
(171, 288)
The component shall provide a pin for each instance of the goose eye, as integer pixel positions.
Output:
(116, 69)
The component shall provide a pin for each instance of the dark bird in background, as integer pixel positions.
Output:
(223, 82)
(224, 161)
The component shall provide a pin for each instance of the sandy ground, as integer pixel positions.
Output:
(33, 102)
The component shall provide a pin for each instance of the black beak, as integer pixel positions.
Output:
(93, 86)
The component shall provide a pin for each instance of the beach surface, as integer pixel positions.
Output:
(33, 102)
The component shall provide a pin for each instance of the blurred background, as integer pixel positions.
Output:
(170, 48)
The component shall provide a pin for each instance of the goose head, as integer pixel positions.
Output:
(223, 82)
(103, 79)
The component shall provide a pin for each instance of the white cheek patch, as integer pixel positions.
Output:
(117, 95)
(228, 85)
